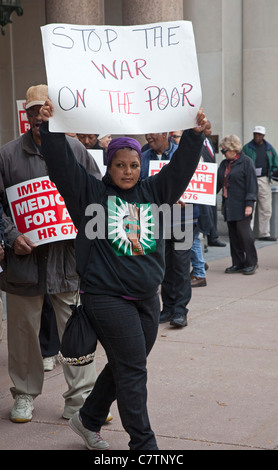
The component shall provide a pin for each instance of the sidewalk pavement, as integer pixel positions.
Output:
(211, 386)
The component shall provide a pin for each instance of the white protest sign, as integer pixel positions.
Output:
(122, 79)
(39, 211)
(202, 187)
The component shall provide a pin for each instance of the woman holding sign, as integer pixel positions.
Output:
(121, 267)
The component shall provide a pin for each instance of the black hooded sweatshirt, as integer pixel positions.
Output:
(111, 263)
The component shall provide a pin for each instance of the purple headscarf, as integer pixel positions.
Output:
(120, 143)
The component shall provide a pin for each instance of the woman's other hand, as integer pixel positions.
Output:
(248, 211)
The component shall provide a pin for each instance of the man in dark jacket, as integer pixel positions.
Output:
(265, 159)
(176, 285)
(208, 155)
(32, 271)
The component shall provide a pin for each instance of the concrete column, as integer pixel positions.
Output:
(75, 12)
(218, 34)
(144, 11)
(260, 52)
(232, 68)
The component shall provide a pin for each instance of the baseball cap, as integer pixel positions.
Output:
(259, 130)
(37, 94)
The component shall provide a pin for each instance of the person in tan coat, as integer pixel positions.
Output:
(30, 271)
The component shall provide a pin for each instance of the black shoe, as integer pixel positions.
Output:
(217, 243)
(250, 269)
(234, 269)
(165, 316)
(179, 321)
(268, 239)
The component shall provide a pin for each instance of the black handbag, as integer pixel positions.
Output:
(79, 340)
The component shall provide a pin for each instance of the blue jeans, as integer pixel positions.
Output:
(127, 330)
(197, 258)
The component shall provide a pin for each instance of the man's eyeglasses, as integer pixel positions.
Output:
(224, 151)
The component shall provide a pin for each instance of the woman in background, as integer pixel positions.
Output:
(237, 178)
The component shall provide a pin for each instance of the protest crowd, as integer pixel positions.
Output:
(103, 236)
(41, 282)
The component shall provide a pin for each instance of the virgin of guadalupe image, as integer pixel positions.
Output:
(131, 225)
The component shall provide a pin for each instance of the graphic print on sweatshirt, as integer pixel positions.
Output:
(130, 227)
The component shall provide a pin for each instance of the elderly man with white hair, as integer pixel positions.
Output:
(265, 159)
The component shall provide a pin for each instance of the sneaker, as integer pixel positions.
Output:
(22, 409)
(68, 414)
(93, 440)
(49, 363)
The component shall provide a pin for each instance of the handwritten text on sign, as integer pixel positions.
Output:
(122, 79)
(202, 187)
(39, 211)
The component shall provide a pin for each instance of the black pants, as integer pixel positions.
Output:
(213, 234)
(127, 330)
(242, 243)
(176, 286)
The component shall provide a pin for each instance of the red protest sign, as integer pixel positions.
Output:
(202, 187)
(23, 122)
(39, 211)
